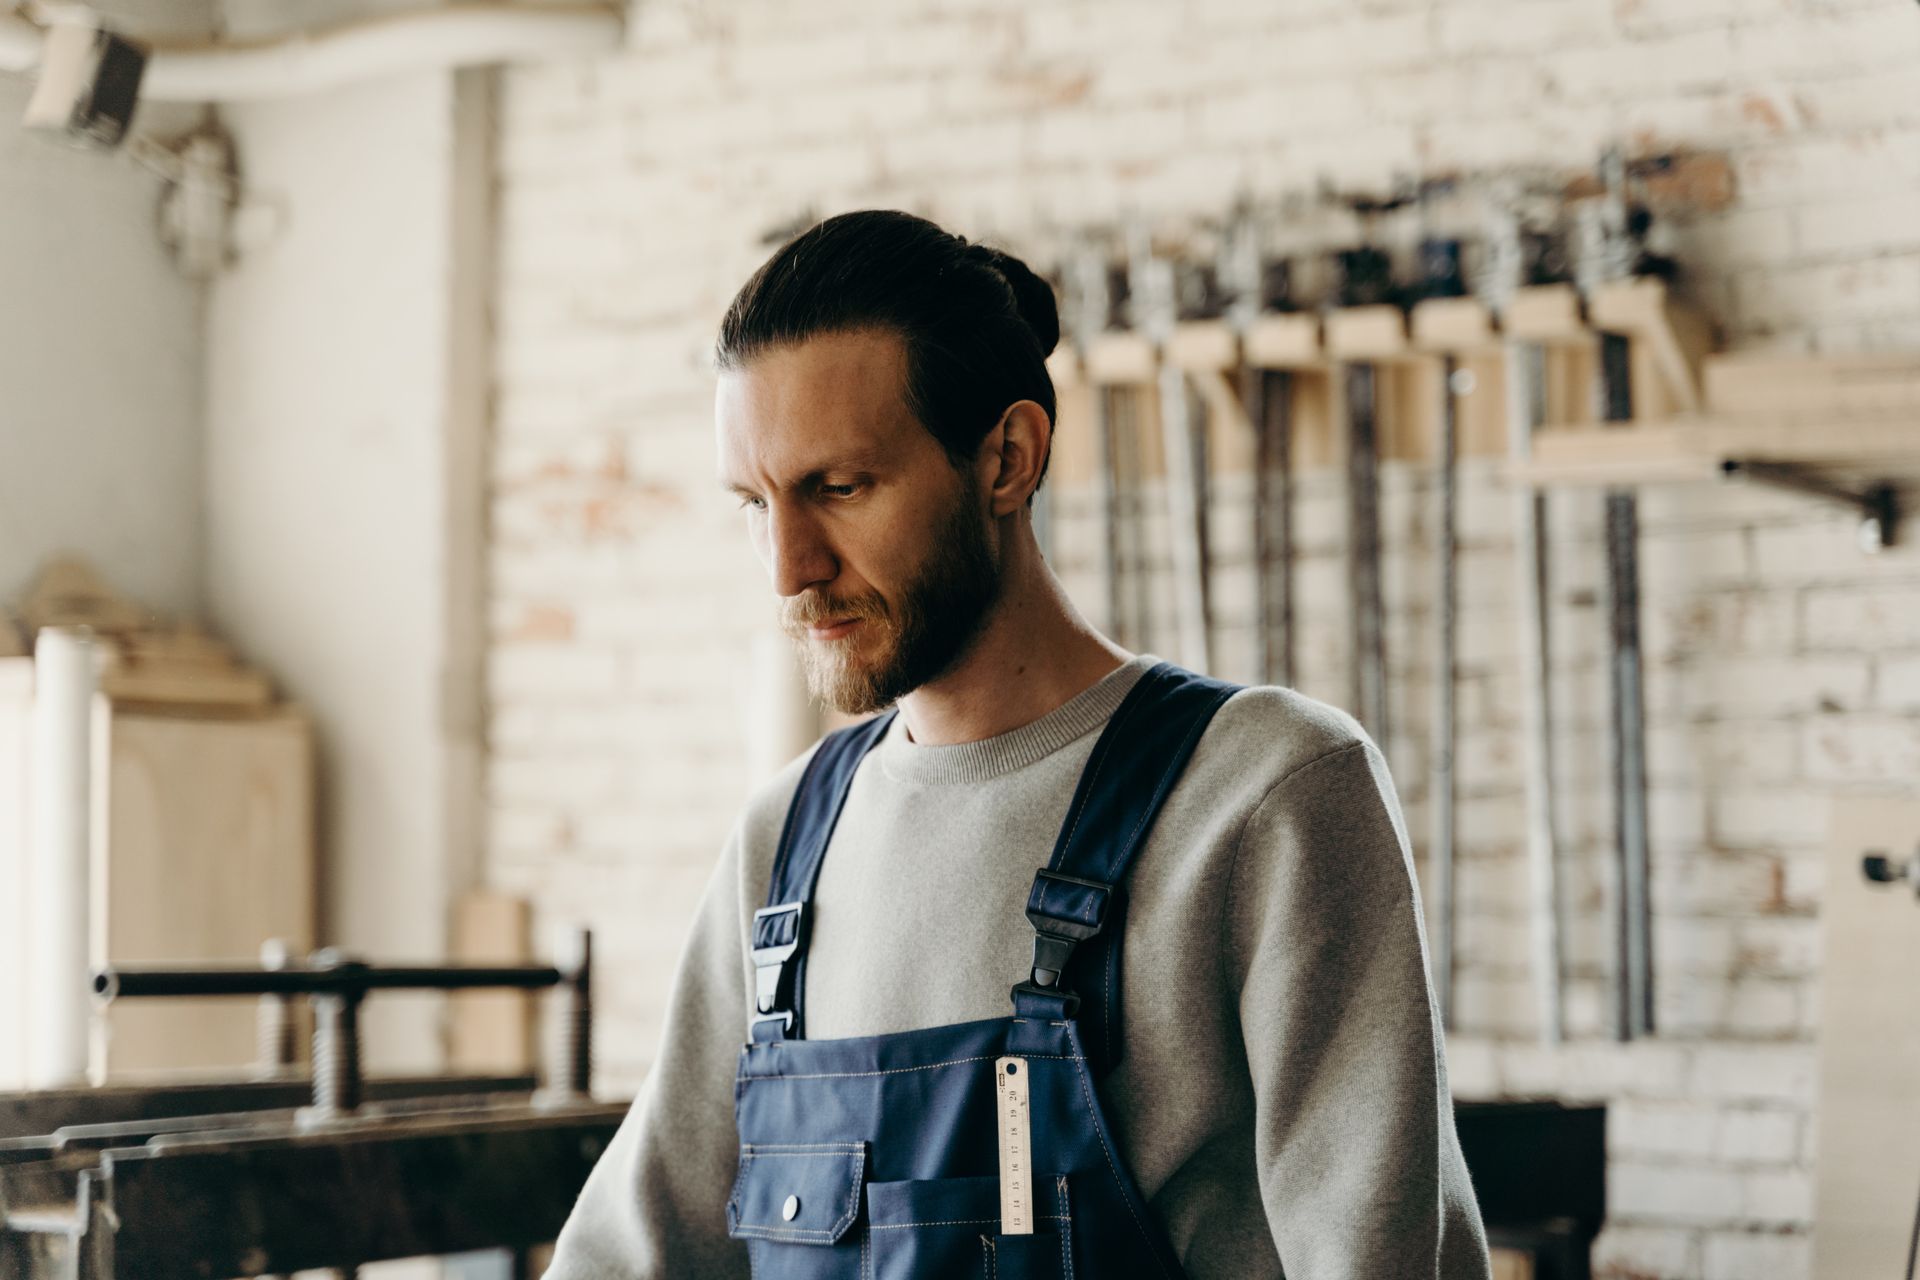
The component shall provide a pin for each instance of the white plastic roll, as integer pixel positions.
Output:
(782, 720)
(57, 996)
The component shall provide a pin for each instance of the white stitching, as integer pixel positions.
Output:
(748, 1154)
(955, 1222)
(894, 1071)
(1066, 1230)
(1114, 1169)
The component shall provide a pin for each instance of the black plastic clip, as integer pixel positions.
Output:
(1055, 936)
(777, 933)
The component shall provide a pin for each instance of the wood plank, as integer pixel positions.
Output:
(1319, 432)
(1511, 1264)
(1483, 413)
(205, 850)
(157, 685)
(1455, 325)
(1409, 399)
(1203, 346)
(1121, 359)
(1693, 448)
(1866, 1178)
(1675, 339)
(1764, 382)
(1074, 454)
(492, 1031)
(1367, 334)
(1283, 341)
(1546, 313)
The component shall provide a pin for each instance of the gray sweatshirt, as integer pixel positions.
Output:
(1282, 1095)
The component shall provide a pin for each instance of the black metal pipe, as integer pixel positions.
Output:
(1633, 929)
(115, 983)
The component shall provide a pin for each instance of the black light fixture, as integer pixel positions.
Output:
(89, 83)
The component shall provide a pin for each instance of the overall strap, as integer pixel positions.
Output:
(1076, 899)
(780, 927)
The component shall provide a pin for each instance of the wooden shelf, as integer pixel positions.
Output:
(1683, 449)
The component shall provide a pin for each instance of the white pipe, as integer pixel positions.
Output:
(57, 996)
(287, 66)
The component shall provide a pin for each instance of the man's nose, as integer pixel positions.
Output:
(797, 555)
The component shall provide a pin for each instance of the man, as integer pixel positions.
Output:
(1273, 1074)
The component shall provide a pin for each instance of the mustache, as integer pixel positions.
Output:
(813, 609)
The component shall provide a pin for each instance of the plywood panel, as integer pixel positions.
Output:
(204, 851)
(1074, 455)
(1867, 1175)
(491, 1031)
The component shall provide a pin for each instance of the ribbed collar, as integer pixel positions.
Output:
(904, 760)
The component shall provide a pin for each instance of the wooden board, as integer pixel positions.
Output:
(1120, 358)
(1074, 454)
(1867, 1162)
(1546, 313)
(1849, 385)
(1511, 1264)
(1674, 339)
(1203, 346)
(1692, 449)
(492, 1031)
(69, 592)
(1367, 333)
(1286, 341)
(1454, 325)
(203, 850)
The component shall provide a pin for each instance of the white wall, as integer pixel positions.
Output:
(329, 439)
(100, 355)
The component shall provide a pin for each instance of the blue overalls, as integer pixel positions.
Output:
(877, 1157)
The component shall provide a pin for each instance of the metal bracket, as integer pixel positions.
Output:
(1878, 505)
(1883, 868)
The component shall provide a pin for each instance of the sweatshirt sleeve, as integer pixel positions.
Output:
(1359, 1165)
(655, 1204)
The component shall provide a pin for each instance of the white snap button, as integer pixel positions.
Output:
(790, 1208)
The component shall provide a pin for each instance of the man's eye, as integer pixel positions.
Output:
(751, 503)
(839, 490)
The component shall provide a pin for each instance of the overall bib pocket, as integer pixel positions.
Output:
(949, 1229)
(795, 1205)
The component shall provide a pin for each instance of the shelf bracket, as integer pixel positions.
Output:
(1878, 505)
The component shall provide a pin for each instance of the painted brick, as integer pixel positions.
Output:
(1738, 686)
(1854, 620)
(1748, 1254)
(1897, 684)
(1862, 750)
(1763, 1137)
(1768, 817)
(1761, 1073)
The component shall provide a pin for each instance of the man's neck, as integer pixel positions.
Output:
(1034, 654)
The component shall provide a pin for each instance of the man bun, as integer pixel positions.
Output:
(1032, 296)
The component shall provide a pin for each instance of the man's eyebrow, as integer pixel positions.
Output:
(852, 466)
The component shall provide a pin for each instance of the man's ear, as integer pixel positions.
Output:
(1013, 455)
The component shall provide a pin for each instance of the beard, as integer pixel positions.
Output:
(904, 644)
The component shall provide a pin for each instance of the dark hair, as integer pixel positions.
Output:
(977, 323)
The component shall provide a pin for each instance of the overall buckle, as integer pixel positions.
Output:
(777, 933)
(1079, 910)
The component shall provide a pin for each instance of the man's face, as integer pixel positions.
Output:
(881, 552)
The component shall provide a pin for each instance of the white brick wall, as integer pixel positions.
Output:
(636, 196)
